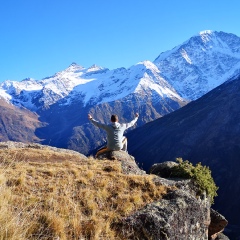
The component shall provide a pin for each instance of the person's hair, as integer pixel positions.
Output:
(114, 118)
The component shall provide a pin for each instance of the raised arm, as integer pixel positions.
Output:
(130, 124)
(96, 123)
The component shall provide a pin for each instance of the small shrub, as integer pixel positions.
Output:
(200, 174)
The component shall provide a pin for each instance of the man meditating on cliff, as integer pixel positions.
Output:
(115, 139)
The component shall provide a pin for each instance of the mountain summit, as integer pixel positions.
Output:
(206, 130)
(91, 85)
(201, 63)
(188, 71)
(153, 89)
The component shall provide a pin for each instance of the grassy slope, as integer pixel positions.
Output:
(48, 195)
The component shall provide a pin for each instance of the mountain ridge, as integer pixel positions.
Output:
(198, 64)
(206, 130)
(191, 69)
(63, 100)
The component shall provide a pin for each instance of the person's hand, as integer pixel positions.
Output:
(137, 115)
(89, 116)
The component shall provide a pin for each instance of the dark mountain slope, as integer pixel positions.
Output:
(69, 127)
(176, 77)
(206, 130)
(18, 124)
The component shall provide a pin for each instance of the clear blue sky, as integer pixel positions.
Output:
(41, 37)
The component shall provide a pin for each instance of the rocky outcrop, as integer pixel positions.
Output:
(129, 166)
(181, 214)
(217, 225)
(20, 145)
(178, 215)
(162, 169)
(217, 221)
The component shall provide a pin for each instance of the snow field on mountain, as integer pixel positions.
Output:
(188, 71)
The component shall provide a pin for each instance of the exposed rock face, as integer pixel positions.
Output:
(207, 131)
(20, 145)
(221, 236)
(178, 215)
(129, 165)
(162, 169)
(218, 223)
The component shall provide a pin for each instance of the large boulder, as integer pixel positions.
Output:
(178, 215)
(221, 236)
(217, 225)
(181, 214)
(163, 170)
(129, 166)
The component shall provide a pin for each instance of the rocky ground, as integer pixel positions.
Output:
(180, 214)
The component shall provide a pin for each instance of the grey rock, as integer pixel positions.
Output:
(221, 236)
(163, 169)
(217, 225)
(179, 215)
(129, 166)
(15, 145)
(207, 131)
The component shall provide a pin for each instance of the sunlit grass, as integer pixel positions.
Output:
(70, 199)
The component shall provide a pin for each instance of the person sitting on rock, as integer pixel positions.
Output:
(115, 139)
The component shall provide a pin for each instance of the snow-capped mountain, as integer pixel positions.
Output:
(64, 99)
(153, 89)
(188, 71)
(201, 63)
(206, 130)
(33, 94)
(92, 85)
(108, 86)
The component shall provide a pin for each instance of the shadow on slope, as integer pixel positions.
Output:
(206, 130)
(68, 126)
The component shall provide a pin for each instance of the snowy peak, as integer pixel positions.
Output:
(151, 82)
(74, 67)
(93, 85)
(94, 68)
(206, 40)
(221, 40)
(142, 67)
(201, 63)
(209, 36)
(218, 41)
(107, 86)
(188, 71)
(206, 32)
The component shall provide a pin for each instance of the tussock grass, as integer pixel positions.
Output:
(67, 199)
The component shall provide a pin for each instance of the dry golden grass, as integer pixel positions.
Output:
(36, 155)
(67, 199)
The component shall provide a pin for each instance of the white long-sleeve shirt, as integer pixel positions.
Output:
(114, 132)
